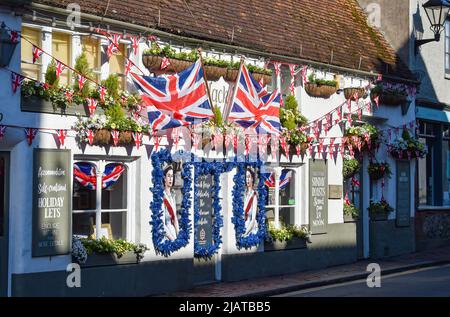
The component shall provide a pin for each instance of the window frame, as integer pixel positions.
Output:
(100, 165)
(447, 48)
(30, 62)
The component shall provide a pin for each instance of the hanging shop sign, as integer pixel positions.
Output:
(403, 217)
(220, 92)
(318, 196)
(51, 202)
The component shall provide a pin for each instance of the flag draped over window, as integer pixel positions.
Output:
(253, 108)
(285, 179)
(175, 100)
(84, 173)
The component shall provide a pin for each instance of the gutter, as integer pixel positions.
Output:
(207, 43)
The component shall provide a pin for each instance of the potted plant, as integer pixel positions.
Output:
(320, 88)
(388, 94)
(407, 147)
(92, 252)
(379, 170)
(286, 237)
(352, 93)
(350, 167)
(379, 211)
(351, 213)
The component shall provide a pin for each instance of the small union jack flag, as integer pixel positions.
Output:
(113, 47)
(115, 136)
(69, 95)
(277, 67)
(81, 81)
(135, 44)
(30, 133)
(128, 67)
(62, 134)
(137, 137)
(90, 136)
(102, 92)
(165, 63)
(37, 53)
(60, 67)
(92, 105)
(16, 81)
(2, 131)
(14, 36)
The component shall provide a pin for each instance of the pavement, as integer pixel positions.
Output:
(275, 285)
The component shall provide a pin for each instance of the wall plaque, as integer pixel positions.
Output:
(318, 196)
(403, 206)
(335, 192)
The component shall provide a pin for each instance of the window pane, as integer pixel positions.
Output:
(84, 224)
(287, 216)
(2, 196)
(426, 174)
(117, 65)
(61, 47)
(287, 187)
(91, 47)
(83, 197)
(114, 223)
(27, 66)
(115, 196)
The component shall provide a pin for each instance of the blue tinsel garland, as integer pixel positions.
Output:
(215, 169)
(162, 246)
(254, 239)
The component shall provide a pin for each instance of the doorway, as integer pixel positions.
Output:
(4, 186)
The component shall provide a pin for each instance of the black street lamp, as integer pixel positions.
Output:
(437, 13)
(7, 46)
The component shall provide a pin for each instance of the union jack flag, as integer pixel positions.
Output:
(37, 53)
(253, 107)
(112, 174)
(285, 178)
(16, 80)
(84, 173)
(60, 67)
(175, 100)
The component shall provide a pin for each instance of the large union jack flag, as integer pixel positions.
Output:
(253, 108)
(175, 100)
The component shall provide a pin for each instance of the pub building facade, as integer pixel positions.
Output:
(49, 191)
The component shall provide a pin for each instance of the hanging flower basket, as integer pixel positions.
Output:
(379, 210)
(407, 147)
(379, 170)
(214, 73)
(125, 138)
(350, 93)
(389, 96)
(350, 167)
(231, 74)
(178, 65)
(362, 138)
(267, 79)
(102, 137)
(320, 91)
(152, 62)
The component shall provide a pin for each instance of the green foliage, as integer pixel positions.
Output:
(379, 170)
(82, 66)
(351, 210)
(286, 233)
(321, 82)
(115, 113)
(380, 207)
(293, 120)
(109, 246)
(362, 130)
(112, 85)
(350, 167)
(50, 74)
(218, 119)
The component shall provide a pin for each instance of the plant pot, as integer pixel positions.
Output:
(322, 91)
(213, 73)
(125, 138)
(102, 137)
(267, 79)
(379, 216)
(231, 74)
(294, 243)
(97, 259)
(350, 93)
(152, 62)
(350, 218)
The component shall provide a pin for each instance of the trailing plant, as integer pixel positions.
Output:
(292, 120)
(363, 137)
(379, 170)
(407, 147)
(350, 167)
(287, 233)
(390, 89)
(110, 246)
(351, 210)
(321, 82)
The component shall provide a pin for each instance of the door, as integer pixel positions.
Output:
(4, 183)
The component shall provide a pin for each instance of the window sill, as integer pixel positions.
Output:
(425, 208)
(447, 76)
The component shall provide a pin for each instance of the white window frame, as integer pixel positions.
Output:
(130, 188)
(447, 48)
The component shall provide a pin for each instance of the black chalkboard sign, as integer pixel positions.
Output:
(204, 196)
(403, 211)
(318, 196)
(52, 203)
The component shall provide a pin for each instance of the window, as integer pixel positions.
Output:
(31, 37)
(426, 166)
(447, 47)
(91, 47)
(108, 205)
(286, 206)
(61, 50)
(117, 66)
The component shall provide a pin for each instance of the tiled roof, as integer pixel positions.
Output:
(326, 31)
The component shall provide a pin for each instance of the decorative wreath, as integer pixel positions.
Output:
(254, 239)
(216, 169)
(163, 246)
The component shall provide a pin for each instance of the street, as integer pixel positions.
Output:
(427, 282)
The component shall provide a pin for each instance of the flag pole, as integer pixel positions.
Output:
(227, 109)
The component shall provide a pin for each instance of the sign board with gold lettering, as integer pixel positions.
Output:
(51, 202)
(318, 196)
